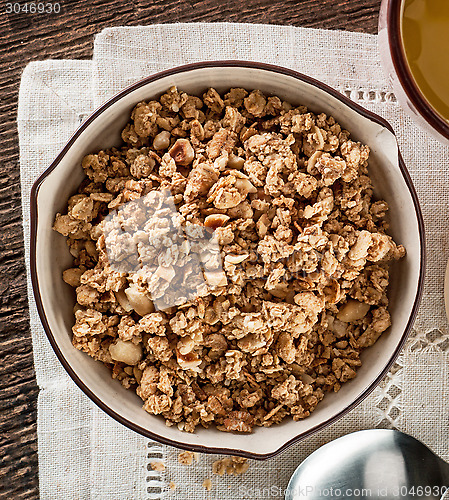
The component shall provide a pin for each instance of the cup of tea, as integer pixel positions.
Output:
(414, 48)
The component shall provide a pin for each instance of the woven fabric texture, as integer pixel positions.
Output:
(85, 455)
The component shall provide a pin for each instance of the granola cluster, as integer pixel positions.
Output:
(230, 262)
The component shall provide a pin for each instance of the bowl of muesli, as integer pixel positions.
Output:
(227, 256)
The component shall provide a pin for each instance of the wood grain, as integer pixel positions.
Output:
(69, 34)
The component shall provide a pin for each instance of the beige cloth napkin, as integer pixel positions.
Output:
(85, 455)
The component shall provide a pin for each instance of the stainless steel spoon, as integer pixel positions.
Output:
(374, 464)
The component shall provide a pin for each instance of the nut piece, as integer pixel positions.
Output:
(245, 186)
(336, 326)
(161, 141)
(122, 299)
(230, 191)
(235, 161)
(185, 345)
(126, 352)
(360, 249)
(216, 220)
(182, 152)
(353, 310)
(311, 162)
(72, 276)
(139, 301)
(235, 259)
(188, 361)
(215, 279)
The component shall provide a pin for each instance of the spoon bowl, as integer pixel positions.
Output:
(375, 464)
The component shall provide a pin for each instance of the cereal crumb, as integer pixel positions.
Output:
(172, 485)
(233, 466)
(186, 458)
(157, 466)
(207, 483)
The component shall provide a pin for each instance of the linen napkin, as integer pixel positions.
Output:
(84, 454)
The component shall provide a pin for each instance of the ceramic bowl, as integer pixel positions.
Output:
(50, 256)
(396, 67)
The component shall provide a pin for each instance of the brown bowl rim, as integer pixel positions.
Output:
(404, 74)
(35, 282)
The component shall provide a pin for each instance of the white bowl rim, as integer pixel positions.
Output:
(35, 283)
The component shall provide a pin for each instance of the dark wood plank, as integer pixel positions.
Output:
(69, 34)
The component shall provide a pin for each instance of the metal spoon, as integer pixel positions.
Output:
(374, 464)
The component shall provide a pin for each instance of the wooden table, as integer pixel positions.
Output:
(69, 34)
